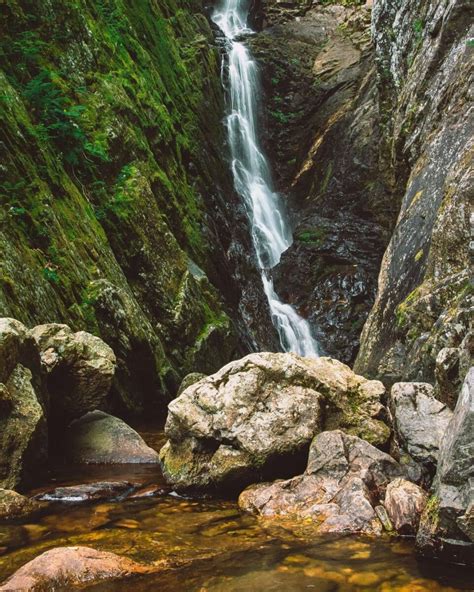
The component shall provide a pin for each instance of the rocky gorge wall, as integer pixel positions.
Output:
(420, 326)
(367, 114)
(118, 214)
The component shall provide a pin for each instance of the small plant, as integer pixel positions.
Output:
(50, 273)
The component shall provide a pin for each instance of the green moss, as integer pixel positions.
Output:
(105, 105)
(431, 512)
(313, 236)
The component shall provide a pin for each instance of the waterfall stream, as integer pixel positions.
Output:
(271, 232)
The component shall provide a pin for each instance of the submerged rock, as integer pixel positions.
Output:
(447, 525)
(80, 369)
(419, 420)
(14, 505)
(63, 567)
(343, 483)
(257, 416)
(98, 437)
(23, 403)
(404, 502)
(88, 492)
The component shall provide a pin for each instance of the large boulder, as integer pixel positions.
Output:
(98, 437)
(419, 420)
(256, 418)
(80, 369)
(64, 567)
(23, 403)
(340, 491)
(447, 525)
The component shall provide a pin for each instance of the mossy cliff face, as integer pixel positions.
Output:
(419, 327)
(113, 184)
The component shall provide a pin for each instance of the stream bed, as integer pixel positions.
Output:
(210, 546)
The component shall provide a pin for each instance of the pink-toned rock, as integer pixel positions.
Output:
(404, 502)
(339, 491)
(64, 567)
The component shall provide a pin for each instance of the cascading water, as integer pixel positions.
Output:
(271, 232)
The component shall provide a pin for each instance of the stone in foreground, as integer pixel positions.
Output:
(447, 524)
(98, 438)
(419, 420)
(64, 567)
(343, 483)
(256, 418)
(404, 502)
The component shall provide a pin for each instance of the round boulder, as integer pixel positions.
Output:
(100, 438)
(64, 567)
(256, 418)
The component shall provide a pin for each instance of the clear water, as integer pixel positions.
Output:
(271, 232)
(215, 548)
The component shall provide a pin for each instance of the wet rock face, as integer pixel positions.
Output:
(71, 566)
(97, 437)
(258, 415)
(80, 368)
(23, 406)
(322, 134)
(447, 525)
(344, 482)
(419, 420)
(424, 300)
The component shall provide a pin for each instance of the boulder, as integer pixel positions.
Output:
(344, 482)
(98, 438)
(404, 502)
(419, 420)
(23, 403)
(14, 506)
(256, 418)
(447, 524)
(80, 368)
(64, 567)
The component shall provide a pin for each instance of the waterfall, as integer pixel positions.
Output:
(271, 232)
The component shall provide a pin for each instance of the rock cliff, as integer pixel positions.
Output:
(118, 214)
(367, 121)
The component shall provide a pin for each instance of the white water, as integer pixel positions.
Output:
(271, 232)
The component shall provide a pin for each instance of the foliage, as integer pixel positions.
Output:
(59, 119)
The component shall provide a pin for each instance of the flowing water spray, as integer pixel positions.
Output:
(271, 232)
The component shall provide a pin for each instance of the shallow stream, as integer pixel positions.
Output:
(211, 547)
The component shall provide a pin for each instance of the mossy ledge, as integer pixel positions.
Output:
(111, 119)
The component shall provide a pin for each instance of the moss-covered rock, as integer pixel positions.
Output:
(23, 407)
